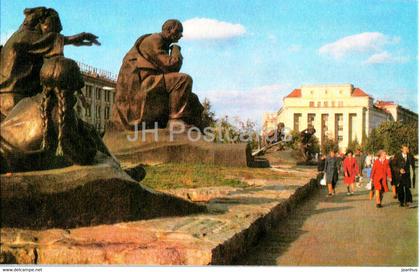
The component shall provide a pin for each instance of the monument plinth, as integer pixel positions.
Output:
(83, 196)
(164, 146)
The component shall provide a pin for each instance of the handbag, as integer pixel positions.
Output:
(323, 181)
(369, 185)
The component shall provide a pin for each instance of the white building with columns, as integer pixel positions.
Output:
(337, 111)
(99, 91)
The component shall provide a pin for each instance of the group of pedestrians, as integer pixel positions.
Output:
(399, 170)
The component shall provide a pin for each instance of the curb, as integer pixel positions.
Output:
(237, 246)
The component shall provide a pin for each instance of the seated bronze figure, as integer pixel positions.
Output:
(150, 87)
(43, 131)
(39, 127)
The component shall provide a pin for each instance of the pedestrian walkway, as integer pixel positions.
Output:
(343, 231)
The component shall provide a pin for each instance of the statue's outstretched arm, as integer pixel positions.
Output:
(83, 38)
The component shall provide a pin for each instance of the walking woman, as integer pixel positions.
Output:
(351, 170)
(379, 175)
(331, 172)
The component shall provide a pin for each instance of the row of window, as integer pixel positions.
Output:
(98, 93)
(98, 112)
(325, 104)
(324, 124)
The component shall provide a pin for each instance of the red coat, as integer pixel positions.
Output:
(380, 173)
(351, 169)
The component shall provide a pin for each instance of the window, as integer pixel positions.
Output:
(311, 104)
(339, 127)
(88, 91)
(324, 127)
(107, 95)
(352, 128)
(98, 112)
(98, 93)
(333, 104)
(326, 104)
(319, 104)
(311, 119)
(296, 121)
(88, 111)
(106, 113)
(340, 103)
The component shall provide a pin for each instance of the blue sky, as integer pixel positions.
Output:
(246, 55)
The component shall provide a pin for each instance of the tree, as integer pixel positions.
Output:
(208, 116)
(296, 140)
(390, 135)
(353, 145)
(328, 145)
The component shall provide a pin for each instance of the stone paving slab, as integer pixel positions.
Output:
(234, 223)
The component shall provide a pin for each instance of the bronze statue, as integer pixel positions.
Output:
(39, 127)
(23, 54)
(43, 131)
(305, 143)
(150, 87)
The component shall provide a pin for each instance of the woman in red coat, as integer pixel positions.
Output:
(379, 175)
(350, 169)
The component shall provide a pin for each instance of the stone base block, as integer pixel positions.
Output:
(82, 196)
(159, 146)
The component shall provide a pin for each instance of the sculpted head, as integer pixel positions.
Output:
(172, 30)
(42, 19)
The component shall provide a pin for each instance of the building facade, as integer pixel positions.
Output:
(99, 91)
(337, 111)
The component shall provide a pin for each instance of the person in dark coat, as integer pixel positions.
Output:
(331, 172)
(321, 163)
(394, 174)
(360, 159)
(404, 161)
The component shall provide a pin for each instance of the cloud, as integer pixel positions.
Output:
(385, 57)
(363, 42)
(211, 29)
(250, 103)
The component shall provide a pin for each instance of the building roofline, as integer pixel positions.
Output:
(326, 85)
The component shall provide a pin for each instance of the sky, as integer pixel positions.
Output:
(245, 56)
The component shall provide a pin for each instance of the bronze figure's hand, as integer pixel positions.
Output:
(174, 45)
(83, 39)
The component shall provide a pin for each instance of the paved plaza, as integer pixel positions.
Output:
(343, 231)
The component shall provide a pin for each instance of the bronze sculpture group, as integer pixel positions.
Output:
(38, 88)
